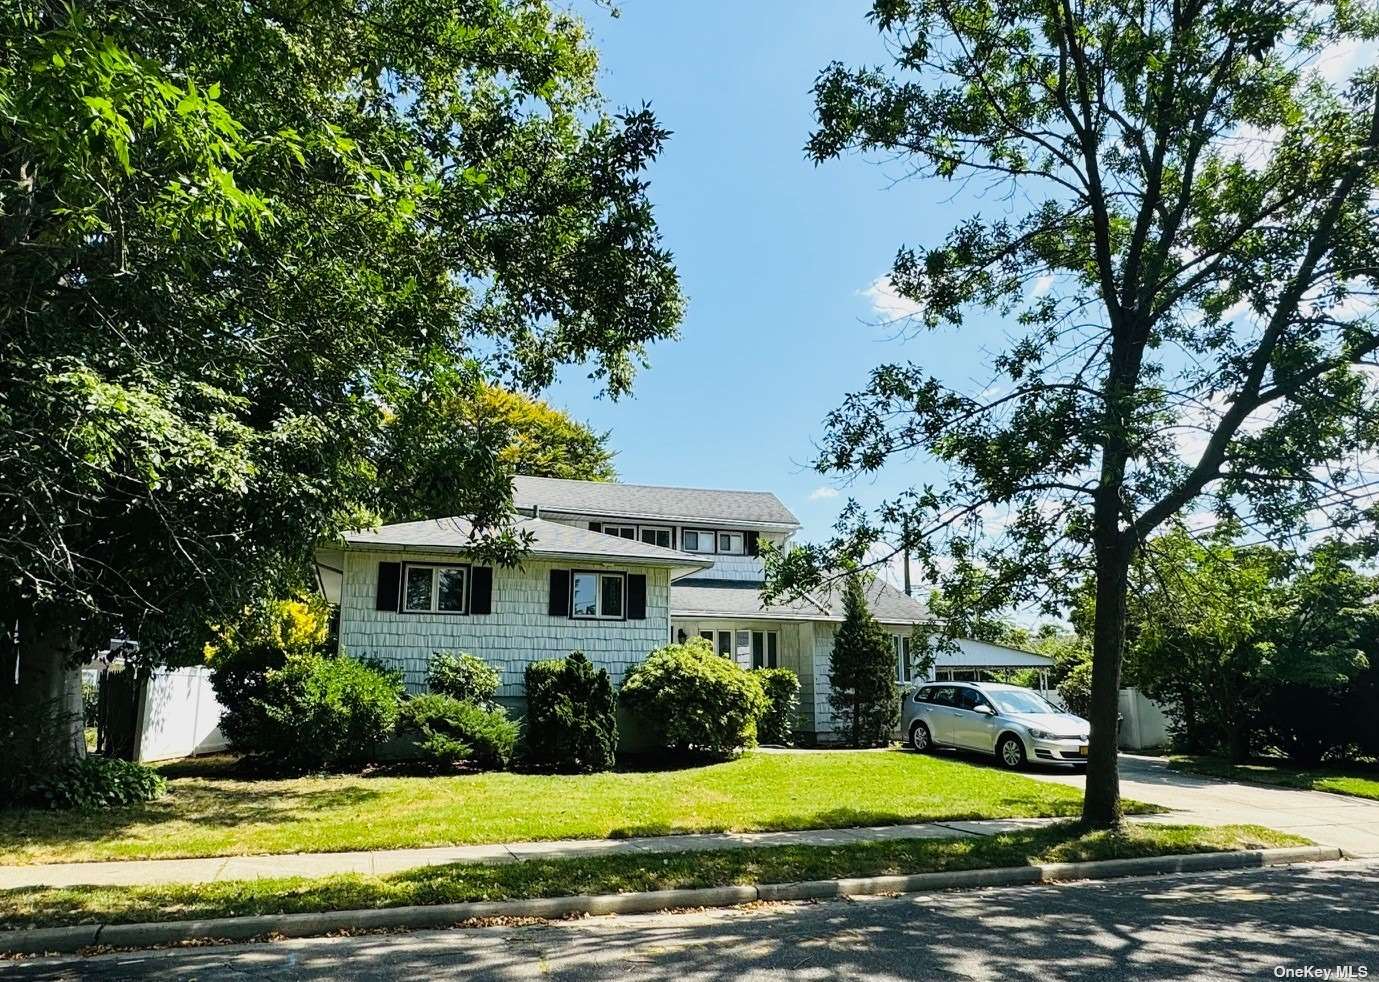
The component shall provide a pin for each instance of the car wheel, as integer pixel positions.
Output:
(1011, 752)
(919, 737)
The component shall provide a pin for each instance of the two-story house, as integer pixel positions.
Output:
(616, 571)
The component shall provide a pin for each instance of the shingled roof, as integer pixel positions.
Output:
(549, 539)
(645, 501)
(702, 597)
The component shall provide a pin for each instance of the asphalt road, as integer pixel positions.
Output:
(1234, 925)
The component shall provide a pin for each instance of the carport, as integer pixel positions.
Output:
(976, 661)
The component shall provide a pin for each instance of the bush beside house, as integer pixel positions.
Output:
(464, 677)
(691, 699)
(782, 690)
(862, 688)
(449, 731)
(321, 711)
(572, 724)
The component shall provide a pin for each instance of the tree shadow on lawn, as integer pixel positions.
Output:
(207, 803)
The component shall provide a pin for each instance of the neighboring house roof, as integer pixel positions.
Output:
(736, 598)
(644, 501)
(984, 654)
(548, 539)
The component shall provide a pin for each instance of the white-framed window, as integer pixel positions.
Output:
(654, 535)
(765, 649)
(598, 596)
(732, 543)
(622, 531)
(697, 540)
(434, 589)
(904, 670)
(725, 643)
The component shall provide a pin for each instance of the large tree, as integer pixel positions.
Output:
(237, 240)
(436, 429)
(1182, 249)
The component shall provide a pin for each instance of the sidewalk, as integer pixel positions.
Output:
(149, 871)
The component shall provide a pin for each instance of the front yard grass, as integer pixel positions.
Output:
(45, 907)
(211, 810)
(1360, 782)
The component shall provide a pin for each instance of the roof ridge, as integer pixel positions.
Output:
(648, 487)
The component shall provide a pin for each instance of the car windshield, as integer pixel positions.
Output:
(1019, 701)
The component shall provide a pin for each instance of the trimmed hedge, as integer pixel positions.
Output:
(691, 699)
(464, 677)
(572, 724)
(321, 712)
(450, 731)
(782, 689)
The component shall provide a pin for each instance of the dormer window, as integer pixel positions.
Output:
(693, 540)
(731, 543)
(654, 536)
(622, 531)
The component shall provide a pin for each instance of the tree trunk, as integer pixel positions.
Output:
(1101, 803)
(47, 687)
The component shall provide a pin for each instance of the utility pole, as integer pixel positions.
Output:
(905, 531)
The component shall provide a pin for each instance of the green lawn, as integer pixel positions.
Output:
(41, 907)
(1361, 782)
(212, 811)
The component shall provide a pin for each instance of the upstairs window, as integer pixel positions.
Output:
(697, 540)
(731, 543)
(622, 531)
(653, 536)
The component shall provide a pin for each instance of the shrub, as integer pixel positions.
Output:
(862, 688)
(782, 689)
(463, 677)
(319, 711)
(1076, 689)
(95, 782)
(449, 731)
(692, 699)
(572, 723)
(242, 654)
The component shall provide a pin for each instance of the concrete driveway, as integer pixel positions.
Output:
(1349, 823)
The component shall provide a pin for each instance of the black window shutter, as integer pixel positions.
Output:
(636, 597)
(595, 526)
(389, 586)
(753, 546)
(481, 590)
(560, 593)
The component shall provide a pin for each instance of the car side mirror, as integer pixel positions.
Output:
(986, 710)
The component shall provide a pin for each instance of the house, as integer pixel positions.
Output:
(614, 570)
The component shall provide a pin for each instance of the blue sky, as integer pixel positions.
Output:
(776, 255)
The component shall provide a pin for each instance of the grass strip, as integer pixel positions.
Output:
(460, 882)
(1357, 782)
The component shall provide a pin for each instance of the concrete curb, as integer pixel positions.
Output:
(71, 939)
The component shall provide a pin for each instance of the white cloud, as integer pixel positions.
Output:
(887, 302)
(1041, 285)
(1338, 62)
(820, 493)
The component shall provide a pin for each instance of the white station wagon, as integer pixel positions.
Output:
(1014, 724)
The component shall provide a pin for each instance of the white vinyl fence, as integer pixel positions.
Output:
(1143, 722)
(179, 716)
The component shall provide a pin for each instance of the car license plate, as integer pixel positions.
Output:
(1082, 750)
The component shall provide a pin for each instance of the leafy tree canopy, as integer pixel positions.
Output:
(1183, 252)
(236, 240)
